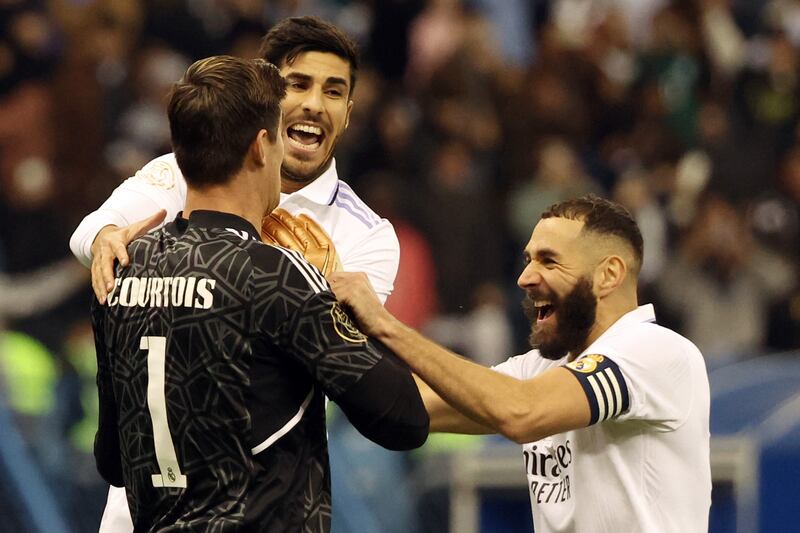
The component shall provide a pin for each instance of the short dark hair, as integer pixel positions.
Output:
(216, 111)
(293, 36)
(602, 216)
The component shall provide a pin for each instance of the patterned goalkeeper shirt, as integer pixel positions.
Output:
(215, 354)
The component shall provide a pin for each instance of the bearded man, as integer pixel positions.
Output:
(611, 409)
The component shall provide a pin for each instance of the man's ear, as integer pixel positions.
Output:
(609, 274)
(347, 117)
(259, 148)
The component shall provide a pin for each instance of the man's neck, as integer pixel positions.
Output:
(291, 182)
(608, 312)
(229, 198)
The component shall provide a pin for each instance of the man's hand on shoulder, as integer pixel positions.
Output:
(111, 243)
(302, 234)
(354, 290)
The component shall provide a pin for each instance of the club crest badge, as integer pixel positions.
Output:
(158, 174)
(344, 325)
(586, 364)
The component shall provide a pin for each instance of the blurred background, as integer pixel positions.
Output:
(471, 117)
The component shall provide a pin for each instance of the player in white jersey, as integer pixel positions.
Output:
(364, 241)
(319, 63)
(612, 409)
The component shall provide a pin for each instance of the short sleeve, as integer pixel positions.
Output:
(378, 256)
(604, 385)
(656, 367)
(525, 366)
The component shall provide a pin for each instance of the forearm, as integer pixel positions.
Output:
(159, 185)
(444, 418)
(487, 398)
(124, 207)
(80, 243)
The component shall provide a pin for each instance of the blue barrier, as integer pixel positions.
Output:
(755, 412)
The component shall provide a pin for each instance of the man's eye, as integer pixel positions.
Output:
(334, 92)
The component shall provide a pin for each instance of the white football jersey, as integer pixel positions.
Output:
(364, 242)
(643, 463)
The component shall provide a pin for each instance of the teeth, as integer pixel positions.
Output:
(309, 147)
(541, 304)
(315, 130)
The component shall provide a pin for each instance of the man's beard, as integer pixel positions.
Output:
(307, 177)
(576, 312)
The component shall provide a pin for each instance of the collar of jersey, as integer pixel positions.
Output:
(643, 313)
(320, 191)
(217, 219)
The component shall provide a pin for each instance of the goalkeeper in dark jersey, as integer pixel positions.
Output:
(216, 351)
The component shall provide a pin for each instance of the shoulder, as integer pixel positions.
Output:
(353, 207)
(648, 344)
(149, 242)
(288, 267)
(527, 365)
(163, 172)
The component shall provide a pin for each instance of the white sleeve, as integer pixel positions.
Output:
(659, 374)
(378, 256)
(525, 366)
(158, 185)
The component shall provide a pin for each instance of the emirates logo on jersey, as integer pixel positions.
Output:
(344, 325)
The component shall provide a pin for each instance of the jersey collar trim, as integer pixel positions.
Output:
(320, 191)
(643, 313)
(218, 219)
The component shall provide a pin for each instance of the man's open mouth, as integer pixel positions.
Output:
(544, 311)
(305, 136)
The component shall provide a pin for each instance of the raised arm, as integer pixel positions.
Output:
(141, 203)
(159, 185)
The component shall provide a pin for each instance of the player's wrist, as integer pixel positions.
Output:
(98, 237)
(386, 326)
(103, 231)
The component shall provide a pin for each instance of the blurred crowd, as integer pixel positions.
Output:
(470, 118)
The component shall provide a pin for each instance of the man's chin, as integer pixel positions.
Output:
(303, 171)
(551, 351)
(548, 342)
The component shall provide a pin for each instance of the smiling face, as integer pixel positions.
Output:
(316, 112)
(558, 282)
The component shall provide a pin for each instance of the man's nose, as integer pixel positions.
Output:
(312, 103)
(530, 276)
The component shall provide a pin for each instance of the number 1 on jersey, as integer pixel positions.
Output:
(170, 475)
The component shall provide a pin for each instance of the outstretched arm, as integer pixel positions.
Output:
(444, 418)
(523, 411)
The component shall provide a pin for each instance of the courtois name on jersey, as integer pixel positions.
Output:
(179, 291)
